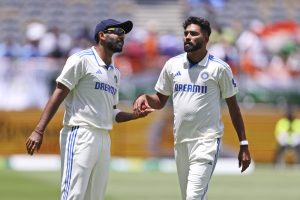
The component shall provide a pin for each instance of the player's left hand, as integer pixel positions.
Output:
(244, 158)
(34, 142)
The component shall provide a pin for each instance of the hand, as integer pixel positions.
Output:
(34, 142)
(244, 158)
(141, 105)
(143, 113)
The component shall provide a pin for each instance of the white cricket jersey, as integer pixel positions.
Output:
(197, 91)
(93, 90)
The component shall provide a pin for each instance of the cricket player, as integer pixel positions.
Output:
(89, 84)
(197, 82)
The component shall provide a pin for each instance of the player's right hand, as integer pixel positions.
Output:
(34, 142)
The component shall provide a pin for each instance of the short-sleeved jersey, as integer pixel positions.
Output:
(93, 88)
(197, 91)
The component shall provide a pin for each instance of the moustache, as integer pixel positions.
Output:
(188, 43)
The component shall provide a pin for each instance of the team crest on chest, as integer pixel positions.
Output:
(204, 76)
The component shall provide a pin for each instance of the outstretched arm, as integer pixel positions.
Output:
(237, 120)
(35, 140)
(121, 116)
(145, 101)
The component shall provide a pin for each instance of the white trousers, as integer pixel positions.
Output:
(85, 158)
(196, 161)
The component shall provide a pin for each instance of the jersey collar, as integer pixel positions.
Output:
(202, 63)
(99, 61)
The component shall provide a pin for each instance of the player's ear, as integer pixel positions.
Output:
(206, 37)
(101, 35)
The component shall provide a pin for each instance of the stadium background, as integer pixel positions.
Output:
(259, 39)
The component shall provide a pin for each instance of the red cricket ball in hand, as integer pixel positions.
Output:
(143, 107)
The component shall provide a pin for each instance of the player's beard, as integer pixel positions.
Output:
(114, 45)
(190, 46)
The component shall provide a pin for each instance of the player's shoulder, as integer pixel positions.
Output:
(178, 59)
(84, 53)
(116, 69)
(218, 62)
(80, 56)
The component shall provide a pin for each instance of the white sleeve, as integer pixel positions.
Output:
(164, 83)
(72, 72)
(228, 85)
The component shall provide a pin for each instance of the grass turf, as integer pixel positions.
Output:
(265, 183)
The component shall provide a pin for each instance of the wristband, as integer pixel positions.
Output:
(244, 142)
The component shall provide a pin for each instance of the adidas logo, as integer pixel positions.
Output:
(99, 72)
(177, 74)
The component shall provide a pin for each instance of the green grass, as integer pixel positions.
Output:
(264, 184)
(28, 185)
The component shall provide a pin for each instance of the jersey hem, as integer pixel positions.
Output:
(200, 138)
(225, 96)
(65, 83)
(162, 91)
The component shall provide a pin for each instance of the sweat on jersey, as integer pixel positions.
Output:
(94, 90)
(197, 91)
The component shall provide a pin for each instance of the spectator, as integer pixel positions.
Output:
(10, 48)
(287, 134)
(252, 50)
(34, 33)
(55, 43)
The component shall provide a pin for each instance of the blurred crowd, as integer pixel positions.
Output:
(260, 55)
(257, 50)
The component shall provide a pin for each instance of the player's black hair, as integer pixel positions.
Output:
(203, 23)
(97, 38)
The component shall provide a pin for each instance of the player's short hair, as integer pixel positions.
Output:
(203, 23)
